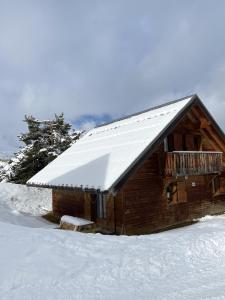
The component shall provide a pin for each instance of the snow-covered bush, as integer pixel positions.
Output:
(44, 141)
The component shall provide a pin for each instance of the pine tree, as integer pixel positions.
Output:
(44, 141)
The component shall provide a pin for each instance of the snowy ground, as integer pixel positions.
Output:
(45, 263)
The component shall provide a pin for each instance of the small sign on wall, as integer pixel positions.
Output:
(193, 184)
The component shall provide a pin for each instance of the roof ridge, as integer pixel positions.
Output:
(146, 110)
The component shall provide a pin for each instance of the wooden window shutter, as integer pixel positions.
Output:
(174, 193)
(222, 185)
(218, 185)
(181, 192)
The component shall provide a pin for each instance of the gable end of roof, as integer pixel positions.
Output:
(156, 142)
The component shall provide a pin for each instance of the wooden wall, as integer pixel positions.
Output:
(65, 202)
(83, 205)
(142, 206)
(139, 204)
(139, 200)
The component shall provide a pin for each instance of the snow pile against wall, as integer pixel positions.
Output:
(15, 217)
(101, 156)
(35, 201)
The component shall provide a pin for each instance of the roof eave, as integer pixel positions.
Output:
(65, 187)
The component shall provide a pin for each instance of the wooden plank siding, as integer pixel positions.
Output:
(65, 202)
(140, 200)
(145, 207)
(83, 205)
(141, 205)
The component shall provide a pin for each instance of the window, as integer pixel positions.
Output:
(197, 142)
(184, 145)
(170, 143)
(101, 205)
(182, 142)
(218, 185)
(176, 192)
(175, 142)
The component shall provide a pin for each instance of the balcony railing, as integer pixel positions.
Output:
(182, 163)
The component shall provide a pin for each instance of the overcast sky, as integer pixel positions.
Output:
(96, 60)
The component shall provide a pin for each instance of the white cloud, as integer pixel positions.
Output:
(96, 57)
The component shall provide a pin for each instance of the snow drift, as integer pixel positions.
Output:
(35, 201)
(22, 205)
(44, 263)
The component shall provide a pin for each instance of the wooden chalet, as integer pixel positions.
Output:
(150, 171)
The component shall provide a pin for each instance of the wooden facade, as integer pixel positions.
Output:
(180, 180)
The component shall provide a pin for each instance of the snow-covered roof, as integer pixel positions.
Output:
(104, 154)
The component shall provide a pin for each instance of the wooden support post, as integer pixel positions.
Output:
(87, 206)
(110, 213)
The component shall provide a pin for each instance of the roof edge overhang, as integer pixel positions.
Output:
(66, 187)
(116, 186)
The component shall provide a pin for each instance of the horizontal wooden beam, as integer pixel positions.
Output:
(192, 118)
(212, 143)
(204, 123)
(210, 140)
(215, 138)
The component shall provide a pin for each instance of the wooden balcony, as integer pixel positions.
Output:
(184, 163)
